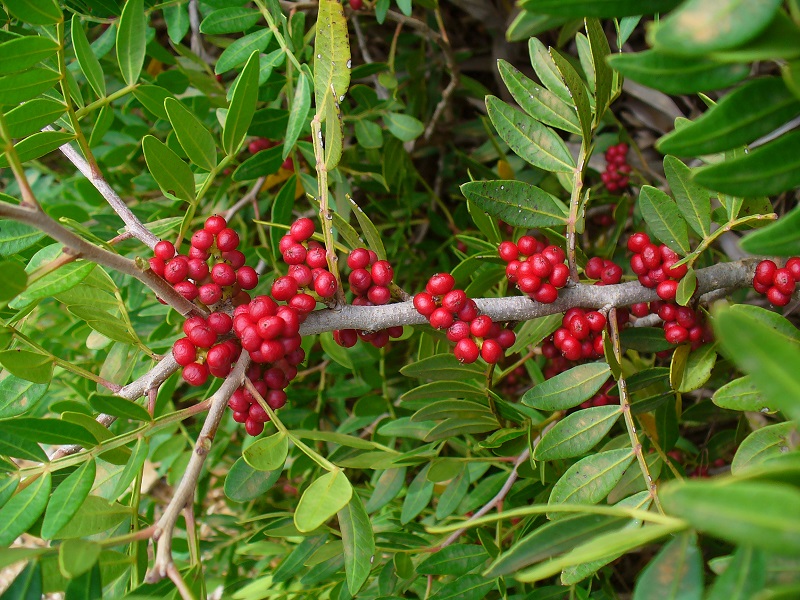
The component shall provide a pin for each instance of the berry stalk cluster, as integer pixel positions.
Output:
(535, 268)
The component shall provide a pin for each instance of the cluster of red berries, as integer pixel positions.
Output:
(653, 265)
(535, 268)
(777, 284)
(605, 271)
(369, 281)
(579, 337)
(214, 269)
(204, 351)
(602, 398)
(617, 172)
(308, 267)
(681, 323)
(356, 4)
(451, 309)
(259, 144)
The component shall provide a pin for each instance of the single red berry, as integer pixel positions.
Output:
(675, 272)
(571, 348)
(596, 320)
(594, 268)
(303, 304)
(761, 288)
(346, 338)
(360, 281)
(220, 322)
(667, 312)
(458, 331)
(666, 290)
(527, 245)
(528, 284)
(358, 258)
(640, 309)
(325, 284)
(554, 254)
(317, 258)
(508, 251)
(288, 164)
(219, 357)
(291, 320)
(283, 288)
(638, 241)
(546, 294)
(382, 273)
(466, 351)
(559, 275)
(215, 223)
(480, 326)
(395, 332)
(491, 351)
(379, 295)
(198, 253)
(777, 297)
(198, 269)
(184, 351)
(195, 374)
(638, 266)
(424, 304)
(453, 300)
(784, 281)
(295, 254)
(765, 272)
(441, 318)
(356, 4)
(176, 270)
(469, 311)
(675, 334)
(793, 264)
(651, 256)
(611, 274)
(164, 250)
(579, 327)
(506, 338)
(276, 399)
(685, 317)
(573, 312)
(238, 402)
(302, 229)
(202, 239)
(262, 306)
(259, 144)
(227, 240)
(253, 427)
(187, 289)
(157, 266)
(223, 274)
(209, 293)
(598, 345)
(540, 265)
(270, 327)
(440, 283)
(247, 278)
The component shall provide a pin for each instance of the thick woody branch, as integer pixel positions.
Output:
(727, 276)
(184, 494)
(80, 247)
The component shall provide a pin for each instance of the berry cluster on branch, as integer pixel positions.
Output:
(776, 284)
(616, 175)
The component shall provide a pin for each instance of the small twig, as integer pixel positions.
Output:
(196, 41)
(177, 579)
(184, 493)
(381, 91)
(452, 68)
(246, 199)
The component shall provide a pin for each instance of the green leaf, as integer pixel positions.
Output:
(243, 106)
(172, 174)
(27, 585)
(132, 468)
(577, 9)
(686, 30)
(152, 98)
(569, 388)
(753, 346)
(677, 74)
(358, 542)
(466, 587)
(8, 485)
(96, 515)
(590, 479)
(37, 145)
(763, 514)
(19, 447)
(265, 162)
(195, 139)
(698, 368)
(418, 496)
(692, 199)
(24, 509)
(14, 281)
(16, 237)
(109, 325)
(32, 116)
(453, 560)
(404, 127)
(267, 454)
(743, 578)
(243, 483)
(662, 216)
(552, 539)
(776, 239)
(31, 366)
(296, 559)
(22, 53)
(370, 232)
(24, 86)
(67, 498)
(517, 203)
(528, 138)
(386, 489)
(763, 444)
(119, 407)
(298, 116)
(76, 557)
(740, 394)
(442, 366)
(49, 431)
(461, 426)
(177, 18)
(326, 496)
(62, 279)
(42, 12)
(232, 19)
(675, 573)
(87, 60)
(242, 49)
(747, 113)
(577, 90)
(603, 75)
(577, 433)
(131, 40)
(88, 586)
(368, 134)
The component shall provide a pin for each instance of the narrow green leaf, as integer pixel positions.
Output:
(119, 407)
(27, 585)
(265, 162)
(442, 366)
(698, 368)
(753, 346)
(453, 560)
(528, 138)
(243, 106)
(268, 454)
(675, 573)
(677, 74)
(763, 444)
(87, 60)
(152, 98)
(577, 90)
(418, 496)
(577, 433)
(369, 231)
(232, 19)
(242, 49)
(326, 496)
(18, 447)
(131, 40)
(358, 542)
(590, 479)
(62, 279)
(31, 366)
(569, 388)
(88, 586)
(24, 509)
(172, 174)
(693, 200)
(763, 514)
(15, 280)
(603, 75)
(297, 558)
(466, 587)
(177, 18)
(740, 394)
(686, 30)
(132, 468)
(243, 483)
(48, 431)
(577, 9)
(517, 203)
(24, 86)
(16, 237)
(96, 515)
(546, 70)
(298, 116)
(22, 53)
(195, 139)
(749, 112)
(43, 12)
(68, 498)
(76, 557)
(404, 127)
(662, 216)
(388, 486)
(37, 145)
(32, 116)
(743, 578)
(776, 239)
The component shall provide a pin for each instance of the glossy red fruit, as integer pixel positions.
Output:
(223, 274)
(184, 351)
(547, 294)
(491, 351)
(784, 281)
(651, 256)
(597, 321)
(424, 304)
(215, 223)
(235, 258)
(777, 298)
(303, 304)
(458, 331)
(209, 294)
(358, 258)
(668, 312)
(346, 338)
(202, 239)
(640, 309)
(325, 285)
(262, 306)
(301, 274)
(302, 229)
(218, 357)
(253, 427)
(466, 351)
(382, 273)
(227, 240)
(554, 254)
(360, 281)
(164, 250)
(508, 251)
(440, 283)
(157, 266)
(187, 289)
(220, 322)
(666, 289)
(317, 258)
(571, 348)
(395, 332)
(283, 288)
(637, 242)
(527, 245)
(453, 300)
(540, 265)
(195, 374)
(176, 270)
(579, 327)
(559, 275)
(247, 278)
(379, 295)
(594, 268)
(441, 318)
(481, 326)
(611, 274)
(793, 264)
(469, 311)
(528, 284)
(506, 338)
(675, 334)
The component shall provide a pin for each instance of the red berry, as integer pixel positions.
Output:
(259, 144)
(675, 334)
(223, 274)
(235, 258)
(253, 427)
(195, 374)
(579, 327)
(262, 306)
(469, 311)
(270, 327)
(424, 304)
(458, 331)
(441, 318)
(301, 274)
(187, 289)
(317, 258)
(540, 265)
(674, 272)
(506, 338)
(303, 303)
(547, 294)
(666, 289)
(164, 250)
(283, 288)
(765, 272)
(202, 239)
(176, 270)
(220, 322)
(528, 284)
(594, 268)
(783, 281)
(453, 300)
(667, 312)
(247, 278)
(508, 251)
(356, 4)
(215, 223)
(209, 293)
(527, 245)
(198, 253)
(685, 317)
(219, 357)
(325, 285)
(559, 275)
(198, 269)
(793, 264)
(227, 240)
(395, 332)
(777, 297)
(466, 351)
(295, 254)
(611, 274)
(275, 399)
(157, 266)
(651, 256)
(571, 348)
(481, 326)
(346, 338)
(184, 352)
(382, 273)
(491, 351)
(640, 309)
(379, 295)
(440, 283)
(358, 258)
(554, 254)
(596, 321)
(637, 242)
(302, 229)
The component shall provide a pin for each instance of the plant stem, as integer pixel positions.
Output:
(28, 199)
